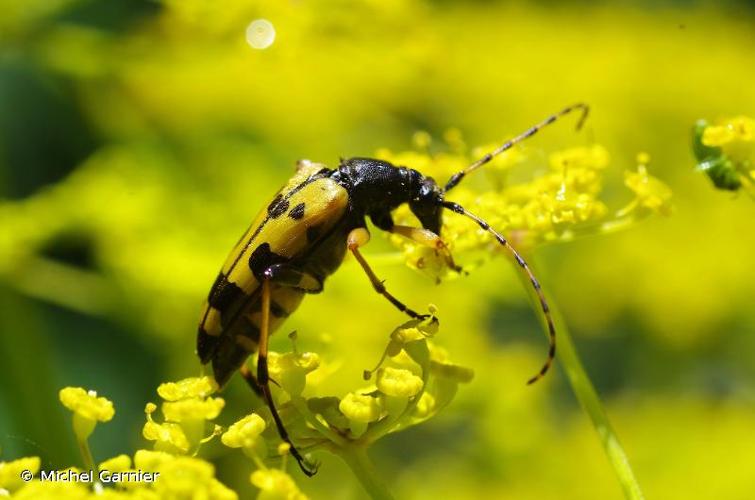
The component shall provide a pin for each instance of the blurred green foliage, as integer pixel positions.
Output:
(138, 139)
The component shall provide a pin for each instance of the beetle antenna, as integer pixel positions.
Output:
(455, 207)
(458, 176)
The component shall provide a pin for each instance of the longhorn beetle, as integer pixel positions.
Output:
(301, 238)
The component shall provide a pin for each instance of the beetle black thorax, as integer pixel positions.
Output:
(377, 187)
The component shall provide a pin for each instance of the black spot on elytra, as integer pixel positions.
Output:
(297, 212)
(227, 361)
(206, 345)
(313, 233)
(278, 197)
(248, 329)
(262, 258)
(277, 207)
(223, 293)
(278, 310)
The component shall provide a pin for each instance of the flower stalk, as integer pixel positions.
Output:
(354, 455)
(590, 402)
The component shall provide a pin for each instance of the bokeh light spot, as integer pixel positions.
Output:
(260, 34)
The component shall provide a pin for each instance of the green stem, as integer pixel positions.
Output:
(590, 401)
(360, 464)
(86, 455)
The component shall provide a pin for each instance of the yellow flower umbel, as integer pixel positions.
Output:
(88, 409)
(10, 473)
(559, 204)
(412, 384)
(726, 152)
(187, 407)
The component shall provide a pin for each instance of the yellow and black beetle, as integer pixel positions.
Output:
(301, 238)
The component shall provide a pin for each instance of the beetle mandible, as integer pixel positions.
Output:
(302, 237)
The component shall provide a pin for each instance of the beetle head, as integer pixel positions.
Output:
(426, 204)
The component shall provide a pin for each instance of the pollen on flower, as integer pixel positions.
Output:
(57, 490)
(116, 464)
(195, 387)
(244, 433)
(726, 152)
(168, 436)
(398, 382)
(651, 193)
(192, 409)
(85, 404)
(737, 129)
(275, 484)
(360, 408)
(555, 204)
(10, 472)
(150, 460)
(187, 477)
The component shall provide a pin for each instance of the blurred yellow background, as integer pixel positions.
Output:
(138, 139)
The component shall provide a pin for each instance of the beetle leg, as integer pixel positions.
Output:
(359, 237)
(428, 238)
(250, 380)
(263, 380)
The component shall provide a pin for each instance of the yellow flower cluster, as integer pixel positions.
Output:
(412, 382)
(730, 133)
(274, 484)
(187, 407)
(562, 202)
(417, 385)
(650, 193)
(10, 473)
(726, 152)
(150, 475)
